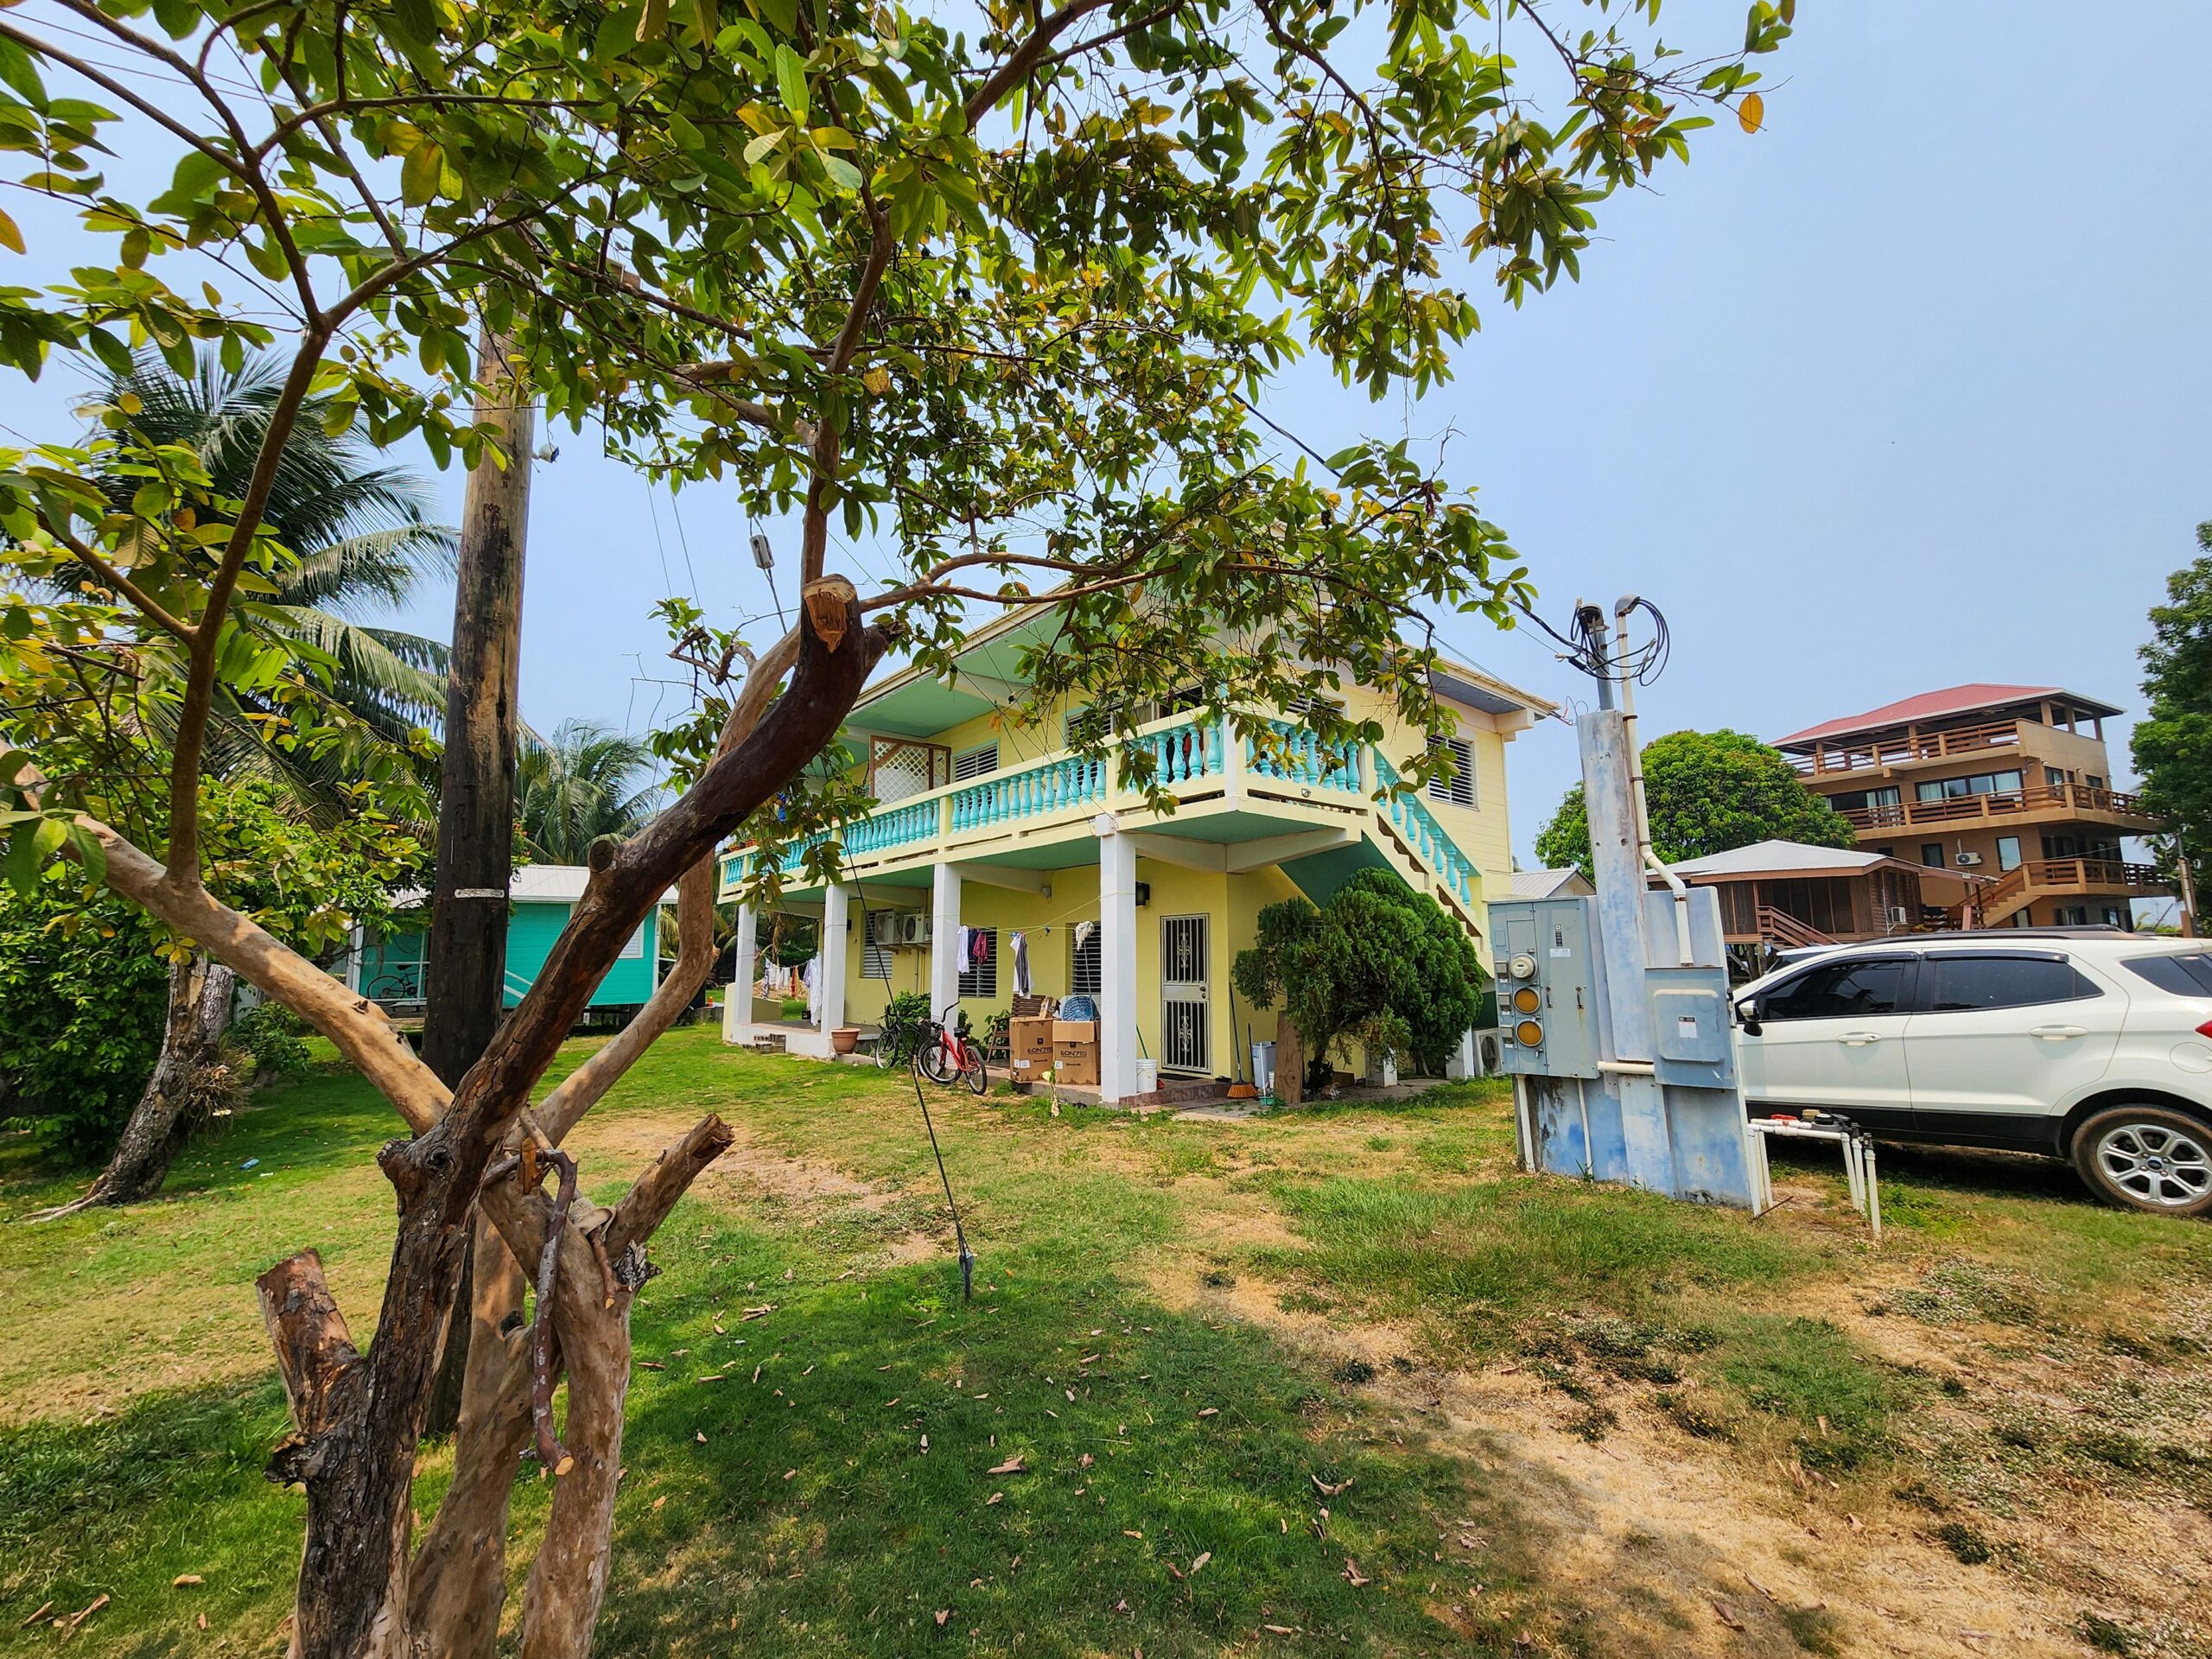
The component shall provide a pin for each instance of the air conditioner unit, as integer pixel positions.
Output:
(1969, 859)
(914, 928)
(1899, 916)
(884, 928)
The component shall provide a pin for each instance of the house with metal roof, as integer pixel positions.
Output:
(389, 968)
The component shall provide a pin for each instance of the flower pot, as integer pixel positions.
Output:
(845, 1039)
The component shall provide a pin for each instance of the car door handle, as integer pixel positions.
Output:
(2055, 1034)
(1859, 1039)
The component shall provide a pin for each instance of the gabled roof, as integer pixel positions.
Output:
(1781, 857)
(1545, 884)
(1935, 705)
(1796, 858)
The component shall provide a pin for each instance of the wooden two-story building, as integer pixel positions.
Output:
(994, 834)
(2010, 782)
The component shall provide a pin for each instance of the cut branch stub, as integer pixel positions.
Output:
(322, 1369)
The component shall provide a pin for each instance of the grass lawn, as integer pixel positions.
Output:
(1335, 1380)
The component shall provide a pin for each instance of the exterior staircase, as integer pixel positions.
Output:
(1785, 932)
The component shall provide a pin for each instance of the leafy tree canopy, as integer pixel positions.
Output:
(2172, 743)
(1708, 792)
(1378, 964)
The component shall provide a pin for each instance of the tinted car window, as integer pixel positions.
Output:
(2177, 975)
(1956, 983)
(1838, 990)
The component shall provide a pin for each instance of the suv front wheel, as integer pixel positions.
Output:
(2147, 1157)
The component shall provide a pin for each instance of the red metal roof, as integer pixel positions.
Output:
(1935, 705)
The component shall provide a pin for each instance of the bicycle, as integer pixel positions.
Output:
(948, 1053)
(904, 1032)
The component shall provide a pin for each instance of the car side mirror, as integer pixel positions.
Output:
(1747, 1017)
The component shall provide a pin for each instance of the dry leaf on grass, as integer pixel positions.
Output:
(1013, 1465)
(183, 1579)
(1325, 1489)
(1727, 1616)
(1352, 1576)
(1199, 1560)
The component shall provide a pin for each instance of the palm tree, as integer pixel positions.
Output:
(587, 782)
(361, 538)
(359, 530)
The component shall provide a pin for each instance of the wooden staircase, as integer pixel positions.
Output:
(1785, 932)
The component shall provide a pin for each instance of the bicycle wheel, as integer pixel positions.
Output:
(929, 1060)
(978, 1073)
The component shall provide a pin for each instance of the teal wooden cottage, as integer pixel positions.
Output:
(388, 968)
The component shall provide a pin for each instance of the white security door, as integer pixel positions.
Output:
(1183, 1022)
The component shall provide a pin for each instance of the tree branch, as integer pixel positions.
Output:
(587, 1085)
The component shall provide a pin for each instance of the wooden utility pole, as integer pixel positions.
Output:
(466, 965)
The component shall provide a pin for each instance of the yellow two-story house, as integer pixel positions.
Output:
(994, 836)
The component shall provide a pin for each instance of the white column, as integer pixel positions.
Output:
(944, 938)
(737, 1007)
(1117, 962)
(829, 1006)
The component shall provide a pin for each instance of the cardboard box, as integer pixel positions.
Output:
(1076, 1063)
(1031, 1041)
(1075, 1031)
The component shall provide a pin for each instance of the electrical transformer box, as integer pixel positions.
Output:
(1547, 987)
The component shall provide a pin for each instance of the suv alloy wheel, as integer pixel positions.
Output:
(2147, 1157)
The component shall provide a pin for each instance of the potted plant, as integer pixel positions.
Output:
(843, 1039)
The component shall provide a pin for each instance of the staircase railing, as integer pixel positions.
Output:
(1780, 927)
(1418, 828)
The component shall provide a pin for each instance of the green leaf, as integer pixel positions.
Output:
(419, 175)
(790, 81)
(9, 236)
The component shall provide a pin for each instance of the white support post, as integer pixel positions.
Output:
(830, 1004)
(1117, 963)
(944, 938)
(737, 1006)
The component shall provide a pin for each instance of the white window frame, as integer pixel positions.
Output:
(981, 980)
(1097, 951)
(1457, 790)
(979, 762)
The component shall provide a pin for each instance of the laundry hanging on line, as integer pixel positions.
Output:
(1019, 946)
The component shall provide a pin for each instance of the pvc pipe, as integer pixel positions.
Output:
(1650, 859)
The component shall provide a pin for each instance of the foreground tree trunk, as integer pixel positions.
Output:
(201, 992)
(359, 1416)
(476, 790)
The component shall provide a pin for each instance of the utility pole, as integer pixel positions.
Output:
(2188, 885)
(468, 954)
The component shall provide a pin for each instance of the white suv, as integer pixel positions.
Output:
(2096, 1048)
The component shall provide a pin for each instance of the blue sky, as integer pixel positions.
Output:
(1907, 390)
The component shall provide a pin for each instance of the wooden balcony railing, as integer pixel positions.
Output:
(2017, 886)
(2041, 797)
(1892, 748)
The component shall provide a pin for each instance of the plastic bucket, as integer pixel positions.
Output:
(1148, 1076)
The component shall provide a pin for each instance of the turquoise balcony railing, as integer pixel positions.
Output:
(892, 827)
(1418, 825)
(1299, 757)
(1181, 752)
(1053, 787)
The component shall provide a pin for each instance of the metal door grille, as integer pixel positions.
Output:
(1183, 1022)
